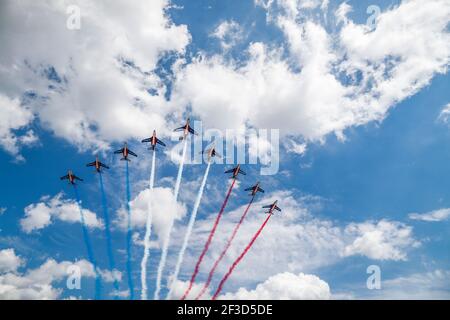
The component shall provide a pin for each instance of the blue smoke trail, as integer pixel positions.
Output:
(112, 263)
(87, 241)
(129, 271)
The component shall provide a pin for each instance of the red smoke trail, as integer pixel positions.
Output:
(208, 242)
(236, 262)
(238, 225)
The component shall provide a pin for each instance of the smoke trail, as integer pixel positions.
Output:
(236, 262)
(208, 242)
(211, 273)
(112, 264)
(162, 261)
(148, 232)
(189, 230)
(129, 270)
(87, 242)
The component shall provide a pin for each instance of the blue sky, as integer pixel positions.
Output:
(355, 194)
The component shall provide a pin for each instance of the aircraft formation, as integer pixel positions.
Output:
(211, 152)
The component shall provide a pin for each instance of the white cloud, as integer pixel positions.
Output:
(14, 117)
(383, 240)
(341, 13)
(2, 210)
(444, 116)
(39, 283)
(284, 87)
(285, 286)
(164, 210)
(85, 91)
(40, 215)
(432, 216)
(9, 261)
(180, 287)
(295, 147)
(418, 286)
(229, 33)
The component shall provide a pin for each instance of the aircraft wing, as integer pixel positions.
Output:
(119, 151)
(241, 171)
(146, 140)
(179, 129)
(64, 177)
(90, 164)
(230, 171)
(191, 130)
(104, 165)
(132, 153)
(267, 207)
(276, 208)
(249, 189)
(76, 178)
(260, 189)
(160, 142)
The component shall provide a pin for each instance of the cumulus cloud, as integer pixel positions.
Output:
(164, 210)
(444, 116)
(283, 87)
(285, 286)
(14, 117)
(97, 84)
(432, 216)
(383, 240)
(40, 215)
(9, 261)
(40, 283)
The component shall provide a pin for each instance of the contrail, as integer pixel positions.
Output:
(87, 241)
(208, 242)
(236, 262)
(129, 269)
(189, 230)
(148, 232)
(162, 261)
(112, 264)
(238, 225)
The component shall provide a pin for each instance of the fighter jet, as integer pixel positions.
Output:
(211, 152)
(97, 164)
(71, 177)
(125, 152)
(186, 130)
(272, 207)
(255, 189)
(236, 171)
(153, 141)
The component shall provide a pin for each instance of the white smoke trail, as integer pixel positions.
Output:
(162, 261)
(148, 232)
(188, 231)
